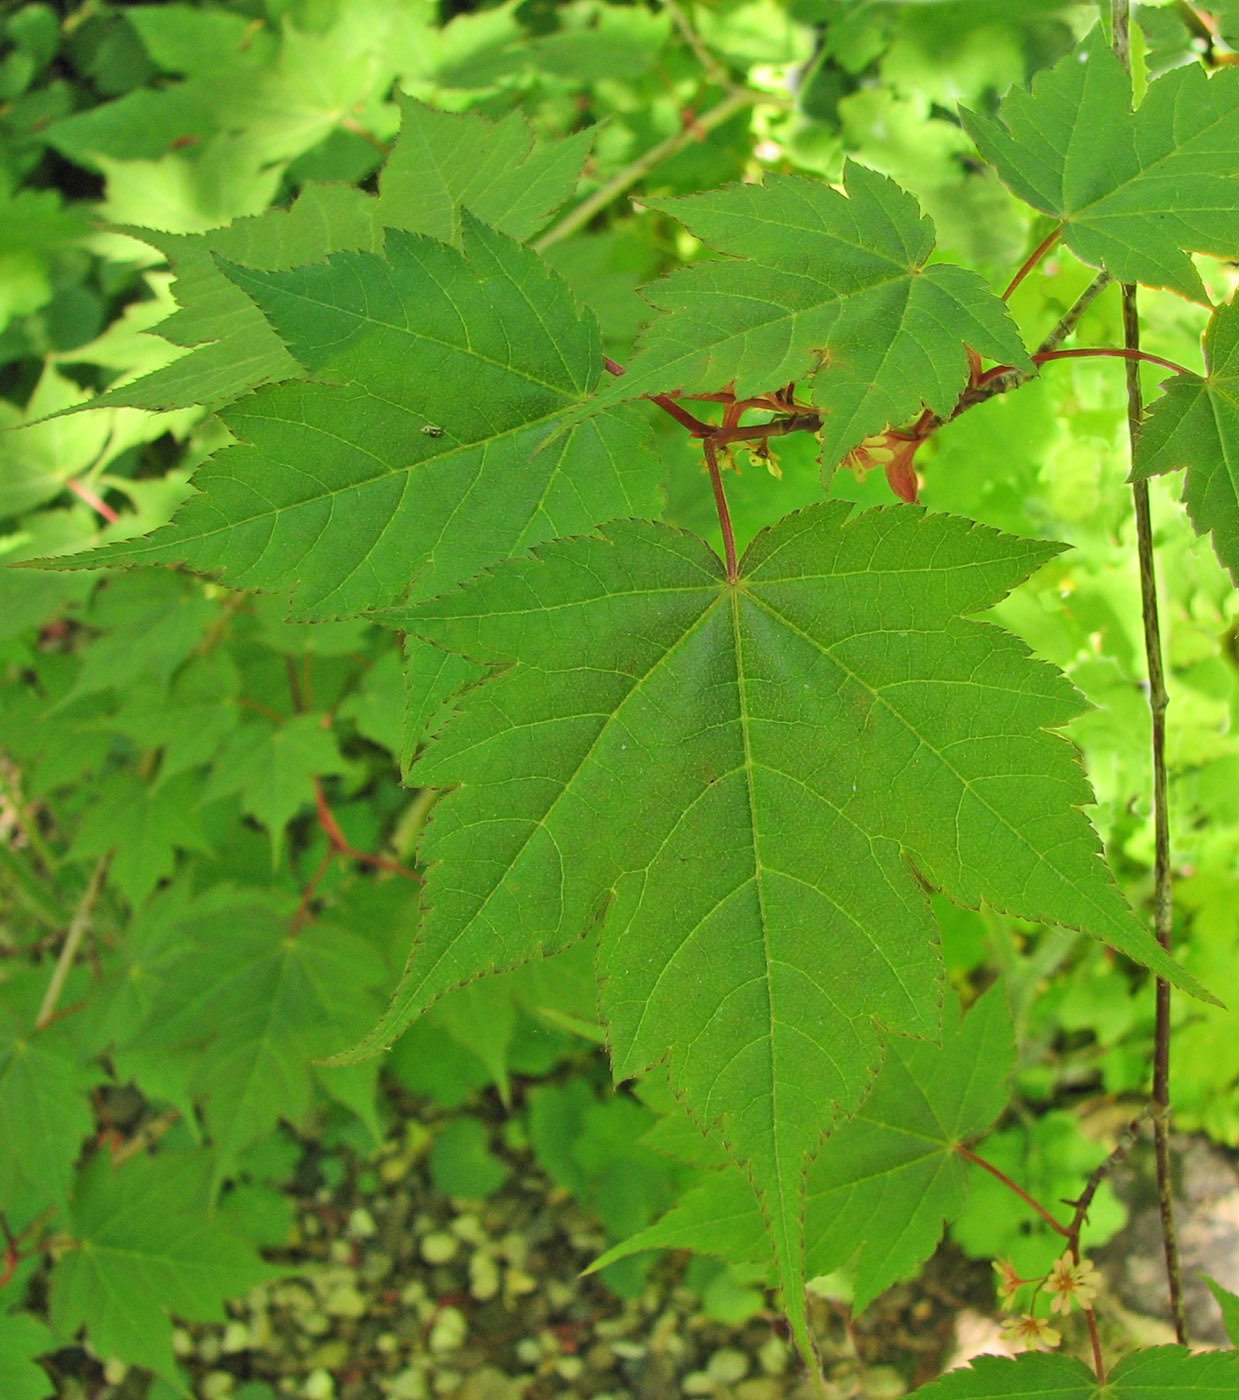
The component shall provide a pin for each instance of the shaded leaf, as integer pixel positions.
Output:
(22, 1338)
(43, 1106)
(246, 1011)
(149, 1248)
(273, 767)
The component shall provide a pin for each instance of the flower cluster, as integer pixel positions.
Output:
(1069, 1282)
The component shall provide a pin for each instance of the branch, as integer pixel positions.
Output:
(1000, 1175)
(724, 514)
(692, 131)
(73, 941)
(1163, 896)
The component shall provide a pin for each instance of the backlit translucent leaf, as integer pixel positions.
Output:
(1159, 1373)
(823, 288)
(413, 460)
(444, 162)
(1195, 424)
(1137, 192)
(149, 1247)
(892, 1165)
(744, 787)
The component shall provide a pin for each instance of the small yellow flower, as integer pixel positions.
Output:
(1009, 1282)
(1069, 1282)
(1032, 1332)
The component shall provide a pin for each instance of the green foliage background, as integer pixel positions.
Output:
(170, 744)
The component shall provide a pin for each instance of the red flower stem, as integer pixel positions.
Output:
(302, 912)
(96, 503)
(1116, 352)
(1011, 1186)
(1033, 259)
(339, 842)
(682, 415)
(665, 402)
(1113, 352)
(724, 515)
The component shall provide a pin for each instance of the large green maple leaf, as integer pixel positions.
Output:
(747, 785)
(832, 289)
(1195, 424)
(1158, 1373)
(1137, 191)
(413, 458)
(893, 1165)
(440, 164)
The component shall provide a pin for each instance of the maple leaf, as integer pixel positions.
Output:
(1169, 1373)
(43, 1086)
(892, 1165)
(824, 287)
(1195, 424)
(1136, 192)
(418, 462)
(746, 786)
(440, 164)
(244, 1012)
(148, 1245)
(22, 1338)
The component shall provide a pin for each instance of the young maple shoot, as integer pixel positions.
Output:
(742, 777)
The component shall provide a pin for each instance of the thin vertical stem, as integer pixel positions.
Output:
(724, 514)
(1163, 902)
(73, 941)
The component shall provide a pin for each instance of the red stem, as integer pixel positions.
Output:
(1011, 1186)
(96, 503)
(665, 402)
(339, 842)
(724, 515)
(1112, 352)
(1033, 259)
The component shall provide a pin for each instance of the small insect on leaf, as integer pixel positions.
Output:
(432, 430)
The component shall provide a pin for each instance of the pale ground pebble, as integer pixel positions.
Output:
(468, 1228)
(772, 1355)
(529, 1351)
(439, 1247)
(728, 1365)
(217, 1384)
(409, 1384)
(236, 1338)
(484, 1277)
(319, 1385)
(448, 1331)
(361, 1224)
(346, 1301)
(760, 1388)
